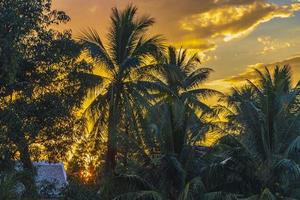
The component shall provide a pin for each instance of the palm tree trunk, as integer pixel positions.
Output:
(110, 157)
(126, 145)
(110, 163)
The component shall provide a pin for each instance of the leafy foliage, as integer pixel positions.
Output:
(123, 91)
(265, 118)
(38, 83)
(147, 107)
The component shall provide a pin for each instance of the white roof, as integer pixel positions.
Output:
(50, 173)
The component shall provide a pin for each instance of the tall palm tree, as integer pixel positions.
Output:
(161, 169)
(177, 117)
(267, 111)
(124, 90)
(265, 115)
(181, 75)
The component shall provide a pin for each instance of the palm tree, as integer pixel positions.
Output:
(265, 115)
(176, 122)
(181, 77)
(165, 174)
(268, 112)
(161, 169)
(123, 89)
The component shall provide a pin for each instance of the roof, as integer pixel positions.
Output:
(50, 172)
(50, 178)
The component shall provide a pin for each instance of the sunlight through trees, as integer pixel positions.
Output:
(149, 110)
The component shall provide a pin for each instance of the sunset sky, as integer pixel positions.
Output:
(232, 35)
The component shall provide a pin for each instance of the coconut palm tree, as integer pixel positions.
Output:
(167, 176)
(268, 112)
(265, 115)
(178, 106)
(123, 90)
(177, 120)
(181, 75)
(162, 167)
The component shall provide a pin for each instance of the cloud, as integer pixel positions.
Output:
(202, 23)
(230, 20)
(270, 44)
(196, 43)
(190, 23)
(250, 74)
(204, 57)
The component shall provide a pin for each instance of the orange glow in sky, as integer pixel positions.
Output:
(232, 35)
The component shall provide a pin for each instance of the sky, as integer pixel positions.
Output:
(232, 36)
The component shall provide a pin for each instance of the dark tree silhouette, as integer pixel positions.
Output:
(124, 89)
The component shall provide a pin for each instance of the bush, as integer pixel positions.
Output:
(77, 190)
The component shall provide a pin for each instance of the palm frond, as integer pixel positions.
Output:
(91, 40)
(197, 77)
(293, 149)
(148, 47)
(220, 196)
(267, 195)
(201, 93)
(140, 195)
(286, 170)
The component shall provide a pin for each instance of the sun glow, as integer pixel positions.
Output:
(86, 175)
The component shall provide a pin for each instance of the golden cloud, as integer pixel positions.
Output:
(250, 74)
(270, 44)
(233, 21)
(189, 23)
(196, 43)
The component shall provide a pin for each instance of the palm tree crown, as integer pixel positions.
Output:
(264, 154)
(127, 50)
(181, 105)
(183, 75)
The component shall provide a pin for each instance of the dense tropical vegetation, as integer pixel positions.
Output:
(128, 115)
